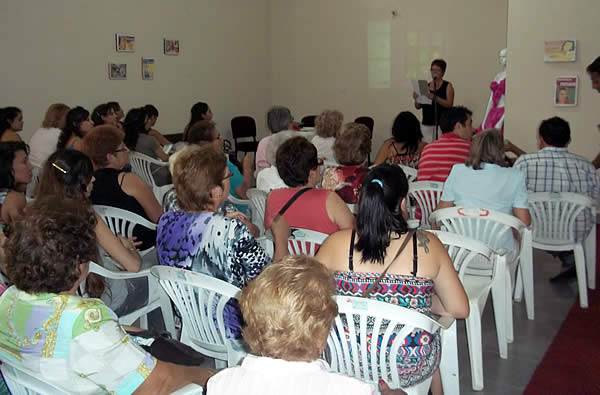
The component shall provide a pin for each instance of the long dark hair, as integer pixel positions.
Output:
(66, 174)
(379, 214)
(7, 116)
(7, 157)
(134, 124)
(407, 129)
(197, 112)
(74, 119)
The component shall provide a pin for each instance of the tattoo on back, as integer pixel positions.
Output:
(423, 240)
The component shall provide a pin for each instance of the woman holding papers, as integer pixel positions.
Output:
(441, 97)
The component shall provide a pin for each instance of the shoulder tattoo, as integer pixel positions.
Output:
(423, 240)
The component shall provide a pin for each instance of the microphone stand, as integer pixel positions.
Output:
(435, 108)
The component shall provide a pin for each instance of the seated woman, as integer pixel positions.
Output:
(76, 126)
(279, 119)
(484, 181)
(137, 124)
(351, 150)
(72, 342)
(288, 312)
(43, 142)
(11, 122)
(421, 276)
(316, 209)
(203, 132)
(152, 114)
(115, 187)
(68, 174)
(197, 237)
(104, 114)
(327, 126)
(406, 145)
(199, 112)
(15, 174)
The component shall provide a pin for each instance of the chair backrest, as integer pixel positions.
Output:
(36, 172)
(200, 300)
(21, 381)
(305, 242)
(368, 122)
(553, 215)
(141, 166)
(308, 121)
(411, 173)
(361, 327)
(491, 227)
(468, 255)
(258, 203)
(122, 221)
(427, 194)
(243, 126)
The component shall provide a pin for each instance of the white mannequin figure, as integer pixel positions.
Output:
(495, 111)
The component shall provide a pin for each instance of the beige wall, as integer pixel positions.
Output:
(320, 53)
(530, 81)
(58, 51)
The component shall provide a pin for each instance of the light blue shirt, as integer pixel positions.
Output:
(492, 187)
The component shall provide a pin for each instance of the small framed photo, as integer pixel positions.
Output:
(560, 51)
(125, 42)
(148, 68)
(117, 71)
(565, 91)
(171, 47)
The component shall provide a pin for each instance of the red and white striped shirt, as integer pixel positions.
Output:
(439, 156)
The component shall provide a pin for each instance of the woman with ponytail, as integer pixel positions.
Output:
(413, 268)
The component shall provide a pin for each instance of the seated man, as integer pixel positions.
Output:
(72, 342)
(554, 169)
(452, 147)
(593, 70)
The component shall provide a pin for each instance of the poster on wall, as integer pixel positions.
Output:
(147, 68)
(117, 71)
(565, 91)
(560, 51)
(171, 47)
(125, 42)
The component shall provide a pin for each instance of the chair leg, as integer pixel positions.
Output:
(473, 324)
(518, 285)
(509, 309)
(144, 321)
(581, 282)
(449, 363)
(590, 257)
(499, 301)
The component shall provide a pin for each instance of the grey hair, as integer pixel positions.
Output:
(279, 118)
(486, 147)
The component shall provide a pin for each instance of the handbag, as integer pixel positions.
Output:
(164, 348)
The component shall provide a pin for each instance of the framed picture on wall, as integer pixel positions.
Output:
(125, 42)
(171, 47)
(148, 68)
(117, 71)
(560, 51)
(565, 91)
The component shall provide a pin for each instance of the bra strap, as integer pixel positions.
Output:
(415, 264)
(351, 252)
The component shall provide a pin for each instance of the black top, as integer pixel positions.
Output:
(107, 192)
(415, 259)
(428, 111)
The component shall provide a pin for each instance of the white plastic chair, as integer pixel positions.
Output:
(554, 218)
(480, 271)
(411, 173)
(258, 202)
(157, 298)
(123, 222)
(238, 202)
(142, 166)
(493, 228)
(21, 381)
(305, 242)
(349, 346)
(201, 300)
(427, 194)
(36, 172)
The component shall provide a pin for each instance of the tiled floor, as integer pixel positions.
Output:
(532, 338)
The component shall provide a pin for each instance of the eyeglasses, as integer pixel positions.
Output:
(229, 175)
(124, 149)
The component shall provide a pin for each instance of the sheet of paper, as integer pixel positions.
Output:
(421, 87)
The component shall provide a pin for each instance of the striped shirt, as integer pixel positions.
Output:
(438, 157)
(554, 169)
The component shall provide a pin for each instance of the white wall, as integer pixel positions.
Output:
(530, 81)
(58, 51)
(320, 53)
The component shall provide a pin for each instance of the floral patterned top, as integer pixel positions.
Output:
(211, 244)
(410, 159)
(345, 181)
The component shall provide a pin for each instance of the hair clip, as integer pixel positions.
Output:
(59, 168)
(377, 181)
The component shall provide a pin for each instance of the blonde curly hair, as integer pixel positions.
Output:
(329, 123)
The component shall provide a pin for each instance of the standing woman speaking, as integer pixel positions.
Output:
(441, 93)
